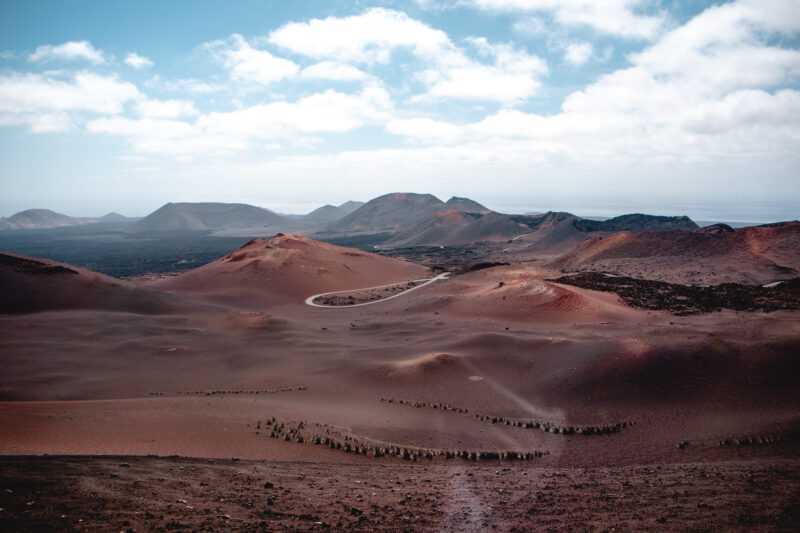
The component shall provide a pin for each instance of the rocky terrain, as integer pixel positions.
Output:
(691, 299)
(442, 258)
(637, 222)
(713, 255)
(500, 396)
(364, 296)
(150, 494)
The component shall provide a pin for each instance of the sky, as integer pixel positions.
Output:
(596, 107)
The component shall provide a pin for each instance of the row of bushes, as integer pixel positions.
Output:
(549, 427)
(299, 433)
(224, 392)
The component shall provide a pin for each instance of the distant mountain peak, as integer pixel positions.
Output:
(203, 216)
(350, 206)
(331, 213)
(113, 216)
(389, 212)
(717, 229)
(466, 205)
(41, 219)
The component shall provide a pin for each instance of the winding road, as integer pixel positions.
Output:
(425, 281)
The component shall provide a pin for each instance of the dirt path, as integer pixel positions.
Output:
(464, 510)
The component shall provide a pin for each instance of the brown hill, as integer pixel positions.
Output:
(328, 214)
(559, 233)
(113, 217)
(30, 285)
(438, 229)
(389, 212)
(554, 234)
(207, 216)
(454, 227)
(349, 206)
(288, 269)
(518, 293)
(41, 219)
(716, 229)
(466, 205)
(758, 254)
(550, 233)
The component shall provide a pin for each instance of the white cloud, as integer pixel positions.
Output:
(531, 26)
(166, 108)
(436, 5)
(224, 132)
(425, 129)
(725, 95)
(578, 53)
(247, 63)
(138, 62)
(721, 51)
(723, 48)
(331, 70)
(326, 112)
(714, 98)
(36, 95)
(623, 18)
(50, 122)
(146, 127)
(46, 104)
(166, 137)
(370, 37)
(746, 110)
(68, 51)
(184, 85)
(512, 76)
(37, 122)
(506, 74)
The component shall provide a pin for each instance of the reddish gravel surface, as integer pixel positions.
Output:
(195, 365)
(178, 494)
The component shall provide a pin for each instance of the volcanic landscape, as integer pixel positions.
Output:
(407, 364)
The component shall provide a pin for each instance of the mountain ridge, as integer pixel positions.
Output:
(204, 216)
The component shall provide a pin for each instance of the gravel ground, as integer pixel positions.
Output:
(181, 494)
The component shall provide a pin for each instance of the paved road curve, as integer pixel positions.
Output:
(426, 281)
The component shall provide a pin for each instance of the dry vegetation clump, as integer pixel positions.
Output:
(548, 427)
(227, 392)
(691, 299)
(433, 405)
(758, 440)
(344, 299)
(330, 437)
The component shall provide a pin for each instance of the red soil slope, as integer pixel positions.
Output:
(520, 294)
(30, 285)
(289, 268)
(749, 255)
